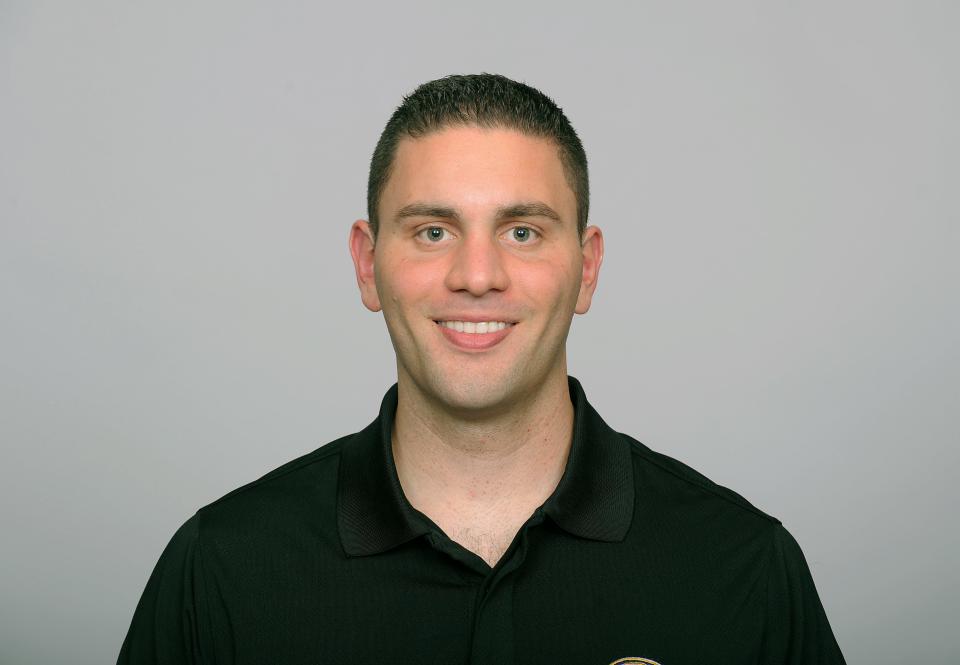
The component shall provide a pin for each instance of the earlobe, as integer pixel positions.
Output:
(362, 248)
(592, 248)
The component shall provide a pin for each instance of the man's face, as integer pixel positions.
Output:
(477, 225)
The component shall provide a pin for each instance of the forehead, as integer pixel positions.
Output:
(473, 166)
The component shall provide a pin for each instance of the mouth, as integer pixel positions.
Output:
(475, 327)
(474, 335)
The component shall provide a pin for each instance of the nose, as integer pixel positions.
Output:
(477, 266)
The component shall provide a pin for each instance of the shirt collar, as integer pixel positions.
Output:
(594, 498)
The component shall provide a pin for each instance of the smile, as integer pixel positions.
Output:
(471, 327)
(475, 336)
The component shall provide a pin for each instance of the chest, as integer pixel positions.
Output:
(486, 534)
(557, 600)
(487, 543)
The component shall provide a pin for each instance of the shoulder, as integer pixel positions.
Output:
(300, 489)
(669, 483)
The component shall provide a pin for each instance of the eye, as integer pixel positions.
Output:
(433, 234)
(523, 234)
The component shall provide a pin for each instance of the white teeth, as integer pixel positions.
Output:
(475, 328)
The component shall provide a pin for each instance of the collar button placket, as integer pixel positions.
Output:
(493, 627)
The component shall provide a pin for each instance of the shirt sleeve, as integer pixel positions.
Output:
(797, 632)
(167, 623)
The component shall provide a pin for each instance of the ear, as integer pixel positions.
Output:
(362, 250)
(592, 248)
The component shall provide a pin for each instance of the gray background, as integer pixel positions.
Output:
(777, 183)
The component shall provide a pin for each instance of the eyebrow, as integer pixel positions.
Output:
(427, 210)
(532, 209)
(525, 209)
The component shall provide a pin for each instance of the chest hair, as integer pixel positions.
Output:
(488, 544)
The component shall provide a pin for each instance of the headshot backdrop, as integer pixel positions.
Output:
(777, 184)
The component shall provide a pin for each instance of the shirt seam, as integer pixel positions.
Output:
(325, 451)
(635, 449)
(766, 592)
(211, 652)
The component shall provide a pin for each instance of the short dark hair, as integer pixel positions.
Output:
(481, 100)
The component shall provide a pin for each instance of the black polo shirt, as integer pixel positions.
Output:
(323, 561)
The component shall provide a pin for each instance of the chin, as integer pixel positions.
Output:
(470, 392)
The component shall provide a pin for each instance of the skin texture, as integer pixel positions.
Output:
(481, 438)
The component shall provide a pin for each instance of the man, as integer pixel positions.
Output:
(488, 515)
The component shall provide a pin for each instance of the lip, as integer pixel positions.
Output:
(472, 318)
(474, 341)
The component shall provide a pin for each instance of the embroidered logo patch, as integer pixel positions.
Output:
(634, 661)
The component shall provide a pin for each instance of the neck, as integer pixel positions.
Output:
(509, 462)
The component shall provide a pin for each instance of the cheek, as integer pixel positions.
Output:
(549, 282)
(403, 283)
